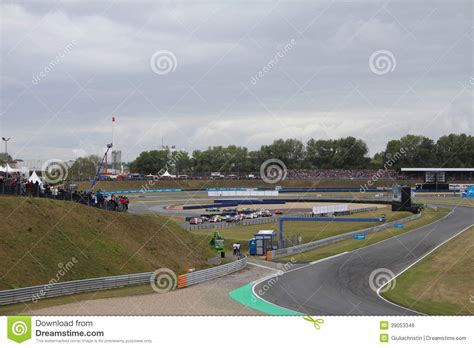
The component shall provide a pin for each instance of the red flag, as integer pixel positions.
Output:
(113, 118)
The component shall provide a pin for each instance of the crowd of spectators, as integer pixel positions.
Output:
(17, 185)
(342, 174)
(291, 174)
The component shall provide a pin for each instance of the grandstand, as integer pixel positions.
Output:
(438, 178)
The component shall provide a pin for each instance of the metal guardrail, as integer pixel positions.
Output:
(197, 277)
(35, 293)
(221, 225)
(273, 254)
(347, 212)
(259, 221)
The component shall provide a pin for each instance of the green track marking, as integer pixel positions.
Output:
(245, 296)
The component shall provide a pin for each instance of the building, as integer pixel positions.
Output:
(116, 161)
(438, 179)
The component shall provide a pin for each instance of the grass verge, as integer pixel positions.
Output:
(429, 215)
(24, 307)
(309, 231)
(441, 283)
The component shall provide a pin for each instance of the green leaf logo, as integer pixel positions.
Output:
(19, 328)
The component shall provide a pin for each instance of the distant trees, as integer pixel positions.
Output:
(222, 159)
(84, 167)
(453, 150)
(158, 161)
(5, 157)
(337, 153)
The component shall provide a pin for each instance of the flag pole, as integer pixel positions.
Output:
(113, 130)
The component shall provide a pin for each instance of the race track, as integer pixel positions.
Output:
(340, 285)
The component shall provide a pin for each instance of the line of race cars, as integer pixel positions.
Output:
(231, 215)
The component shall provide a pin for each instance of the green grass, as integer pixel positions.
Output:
(454, 200)
(38, 235)
(440, 284)
(19, 308)
(428, 216)
(309, 231)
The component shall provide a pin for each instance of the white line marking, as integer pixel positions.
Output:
(257, 265)
(277, 274)
(414, 263)
(256, 282)
(327, 258)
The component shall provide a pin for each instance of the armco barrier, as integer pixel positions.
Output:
(259, 221)
(319, 243)
(197, 277)
(39, 292)
(222, 225)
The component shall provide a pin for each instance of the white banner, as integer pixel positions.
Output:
(326, 209)
(242, 193)
(237, 331)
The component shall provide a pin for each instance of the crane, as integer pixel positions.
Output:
(99, 168)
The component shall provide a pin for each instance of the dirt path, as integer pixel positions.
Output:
(209, 298)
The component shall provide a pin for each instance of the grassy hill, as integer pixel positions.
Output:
(39, 237)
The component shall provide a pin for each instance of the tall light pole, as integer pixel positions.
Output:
(6, 143)
(6, 154)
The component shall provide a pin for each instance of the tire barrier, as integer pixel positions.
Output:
(273, 254)
(197, 277)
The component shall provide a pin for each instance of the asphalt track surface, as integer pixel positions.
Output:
(158, 203)
(340, 285)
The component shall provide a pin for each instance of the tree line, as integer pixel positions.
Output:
(453, 150)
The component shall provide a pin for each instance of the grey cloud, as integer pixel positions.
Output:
(322, 87)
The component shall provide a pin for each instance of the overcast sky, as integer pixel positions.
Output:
(241, 73)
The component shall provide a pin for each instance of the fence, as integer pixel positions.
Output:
(36, 191)
(221, 225)
(273, 254)
(259, 221)
(38, 292)
(197, 277)
(347, 212)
